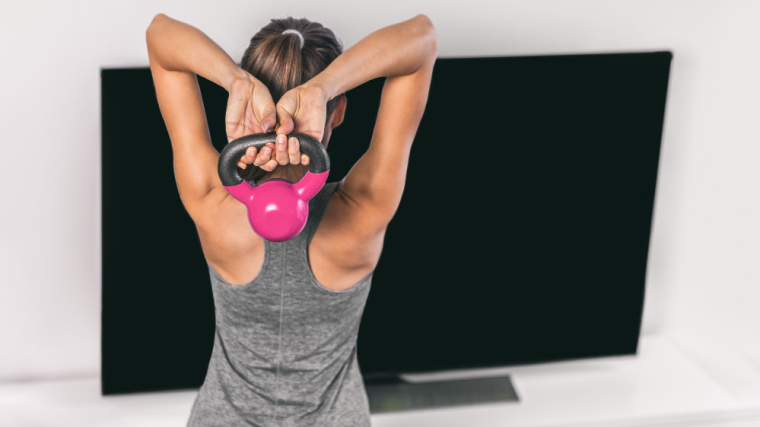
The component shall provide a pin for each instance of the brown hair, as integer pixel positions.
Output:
(278, 61)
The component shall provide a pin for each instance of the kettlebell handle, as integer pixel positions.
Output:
(231, 154)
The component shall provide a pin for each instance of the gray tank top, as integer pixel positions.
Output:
(285, 346)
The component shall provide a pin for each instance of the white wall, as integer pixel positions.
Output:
(702, 278)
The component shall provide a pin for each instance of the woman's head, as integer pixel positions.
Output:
(280, 63)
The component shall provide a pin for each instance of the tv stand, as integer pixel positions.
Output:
(390, 393)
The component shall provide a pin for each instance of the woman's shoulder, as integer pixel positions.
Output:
(347, 233)
(340, 253)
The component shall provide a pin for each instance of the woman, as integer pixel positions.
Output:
(288, 313)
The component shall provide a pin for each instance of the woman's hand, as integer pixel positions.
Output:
(250, 108)
(283, 155)
(303, 109)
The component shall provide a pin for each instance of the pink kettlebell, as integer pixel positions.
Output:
(277, 209)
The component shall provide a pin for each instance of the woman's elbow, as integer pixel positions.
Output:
(424, 21)
(160, 17)
(428, 33)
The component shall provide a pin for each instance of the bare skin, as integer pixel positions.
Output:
(347, 245)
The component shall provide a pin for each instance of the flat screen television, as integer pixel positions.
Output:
(522, 236)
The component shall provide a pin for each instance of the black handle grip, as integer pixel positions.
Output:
(231, 154)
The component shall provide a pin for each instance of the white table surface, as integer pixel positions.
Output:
(661, 386)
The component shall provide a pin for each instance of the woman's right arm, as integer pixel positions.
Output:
(371, 192)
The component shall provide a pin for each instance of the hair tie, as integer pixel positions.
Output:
(296, 32)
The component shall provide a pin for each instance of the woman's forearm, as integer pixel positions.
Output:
(394, 50)
(177, 46)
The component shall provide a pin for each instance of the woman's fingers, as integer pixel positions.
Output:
(282, 150)
(264, 156)
(266, 116)
(248, 158)
(274, 154)
(294, 151)
(284, 115)
(265, 159)
(269, 166)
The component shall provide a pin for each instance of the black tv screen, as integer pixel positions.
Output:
(522, 236)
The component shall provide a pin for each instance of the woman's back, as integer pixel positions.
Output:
(237, 254)
(285, 346)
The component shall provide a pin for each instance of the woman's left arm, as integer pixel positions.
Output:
(177, 52)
